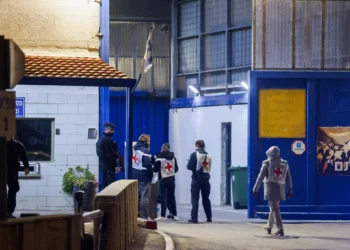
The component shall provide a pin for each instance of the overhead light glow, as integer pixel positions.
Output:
(194, 89)
(245, 85)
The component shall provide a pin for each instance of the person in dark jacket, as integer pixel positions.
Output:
(106, 155)
(119, 157)
(200, 165)
(142, 170)
(15, 150)
(166, 166)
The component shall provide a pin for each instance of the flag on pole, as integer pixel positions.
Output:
(149, 51)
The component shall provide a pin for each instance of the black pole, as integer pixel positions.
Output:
(129, 133)
(3, 143)
(228, 163)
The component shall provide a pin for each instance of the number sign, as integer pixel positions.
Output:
(7, 113)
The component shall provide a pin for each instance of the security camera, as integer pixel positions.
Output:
(164, 28)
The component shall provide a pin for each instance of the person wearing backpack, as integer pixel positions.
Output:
(200, 165)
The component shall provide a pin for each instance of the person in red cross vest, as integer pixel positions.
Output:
(142, 170)
(166, 166)
(275, 174)
(200, 165)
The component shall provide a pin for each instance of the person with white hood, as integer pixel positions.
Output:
(275, 174)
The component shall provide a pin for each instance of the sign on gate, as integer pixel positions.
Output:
(20, 107)
(298, 147)
(7, 113)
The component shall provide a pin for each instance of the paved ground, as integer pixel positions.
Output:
(252, 236)
(145, 239)
(232, 230)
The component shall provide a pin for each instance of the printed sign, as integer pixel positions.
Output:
(282, 113)
(20, 107)
(298, 147)
(7, 113)
(333, 151)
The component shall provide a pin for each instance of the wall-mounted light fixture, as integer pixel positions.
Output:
(245, 85)
(193, 89)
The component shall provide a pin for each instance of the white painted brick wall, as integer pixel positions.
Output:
(68, 108)
(74, 109)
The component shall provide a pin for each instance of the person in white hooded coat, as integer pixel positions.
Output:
(275, 174)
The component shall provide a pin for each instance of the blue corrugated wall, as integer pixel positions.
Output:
(150, 116)
(315, 196)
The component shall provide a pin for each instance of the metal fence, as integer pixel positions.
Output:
(301, 34)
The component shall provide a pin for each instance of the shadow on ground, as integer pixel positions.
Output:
(145, 239)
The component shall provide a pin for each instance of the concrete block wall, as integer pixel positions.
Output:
(75, 109)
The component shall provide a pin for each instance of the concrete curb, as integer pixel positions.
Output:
(169, 243)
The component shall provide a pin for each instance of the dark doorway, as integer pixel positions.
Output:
(225, 163)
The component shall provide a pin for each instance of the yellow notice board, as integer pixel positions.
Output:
(282, 113)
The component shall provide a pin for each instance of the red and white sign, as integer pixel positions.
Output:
(298, 147)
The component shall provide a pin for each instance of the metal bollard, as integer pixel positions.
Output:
(79, 197)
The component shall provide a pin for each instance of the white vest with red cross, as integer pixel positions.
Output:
(204, 161)
(277, 171)
(167, 167)
(137, 160)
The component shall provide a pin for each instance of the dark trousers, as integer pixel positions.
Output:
(13, 188)
(108, 177)
(167, 190)
(203, 187)
(144, 192)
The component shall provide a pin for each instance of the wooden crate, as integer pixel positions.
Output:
(54, 232)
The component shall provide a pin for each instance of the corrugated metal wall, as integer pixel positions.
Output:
(128, 42)
(151, 116)
(295, 34)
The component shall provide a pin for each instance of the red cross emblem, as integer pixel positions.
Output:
(278, 172)
(168, 166)
(205, 164)
(134, 158)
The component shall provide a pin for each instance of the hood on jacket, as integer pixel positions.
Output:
(166, 155)
(273, 153)
(139, 145)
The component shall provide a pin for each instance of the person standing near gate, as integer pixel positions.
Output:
(142, 171)
(15, 150)
(166, 166)
(107, 160)
(200, 165)
(275, 173)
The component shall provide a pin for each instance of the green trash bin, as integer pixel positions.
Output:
(239, 186)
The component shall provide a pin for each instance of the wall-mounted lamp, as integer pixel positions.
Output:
(245, 85)
(194, 89)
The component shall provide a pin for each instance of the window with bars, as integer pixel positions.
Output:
(214, 51)
(189, 19)
(238, 76)
(241, 13)
(241, 49)
(214, 44)
(188, 55)
(215, 79)
(215, 15)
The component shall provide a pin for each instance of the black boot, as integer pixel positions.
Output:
(268, 229)
(10, 216)
(195, 221)
(209, 220)
(280, 232)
